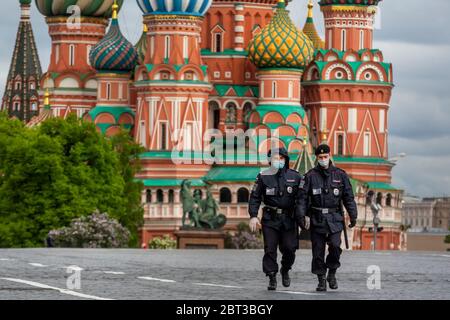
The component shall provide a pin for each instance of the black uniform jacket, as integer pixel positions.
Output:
(276, 188)
(326, 188)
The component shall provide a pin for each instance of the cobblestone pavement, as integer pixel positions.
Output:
(212, 274)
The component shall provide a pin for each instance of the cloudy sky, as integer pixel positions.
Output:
(414, 37)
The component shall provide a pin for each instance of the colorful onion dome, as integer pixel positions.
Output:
(25, 1)
(141, 45)
(181, 7)
(88, 8)
(114, 52)
(349, 2)
(280, 44)
(310, 29)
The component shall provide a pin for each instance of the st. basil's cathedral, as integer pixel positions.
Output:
(206, 69)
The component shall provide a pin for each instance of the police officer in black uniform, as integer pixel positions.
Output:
(323, 191)
(278, 188)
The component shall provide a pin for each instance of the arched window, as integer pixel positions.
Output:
(108, 91)
(152, 46)
(214, 110)
(343, 40)
(291, 90)
(330, 38)
(167, 47)
(218, 42)
(340, 144)
(160, 196)
(71, 55)
(225, 195)
(369, 197)
(171, 196)
(379, 198)
(361, 40)
(243, 195)
(148, 196)
(57, 49)
(185, 47)
(248, 107)
(163, 136)
(88, 51)
(231, 112)
(389, 200)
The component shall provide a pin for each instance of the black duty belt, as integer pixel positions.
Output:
(276, 210)
(325, 210)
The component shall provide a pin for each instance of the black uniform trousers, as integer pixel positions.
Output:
(319, 240)
(286, 240)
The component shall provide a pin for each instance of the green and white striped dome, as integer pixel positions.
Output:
(88, 8)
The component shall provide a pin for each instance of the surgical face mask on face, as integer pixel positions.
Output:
(278, 164)
(324, 163)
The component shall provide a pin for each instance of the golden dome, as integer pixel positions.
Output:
(280, 44)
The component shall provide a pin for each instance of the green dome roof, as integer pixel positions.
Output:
(281, 44)
(88, 8)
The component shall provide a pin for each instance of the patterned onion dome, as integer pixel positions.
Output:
(280, 44)
(141, 45)
(349, 2)
(184, 7)
(88, 8)
(114, 52)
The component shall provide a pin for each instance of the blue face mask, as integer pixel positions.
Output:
(278, 164)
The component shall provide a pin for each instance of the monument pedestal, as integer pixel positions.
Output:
(200, 239)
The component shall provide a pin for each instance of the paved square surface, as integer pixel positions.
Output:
(212, 274)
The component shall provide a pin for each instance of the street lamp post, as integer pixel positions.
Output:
(375, 207)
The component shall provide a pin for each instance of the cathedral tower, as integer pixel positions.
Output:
(74, 27)
(21, 97)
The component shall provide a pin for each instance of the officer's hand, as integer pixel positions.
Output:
(307, 223)
(254, 223)
(352, 224)
(303, 223)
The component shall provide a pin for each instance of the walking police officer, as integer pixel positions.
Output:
(323, 190)
(278, 188)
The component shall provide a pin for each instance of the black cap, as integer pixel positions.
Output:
(282, 152)
(322, 149)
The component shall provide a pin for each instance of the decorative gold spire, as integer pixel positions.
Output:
(115, 9)
(310, 9)
(310, 29)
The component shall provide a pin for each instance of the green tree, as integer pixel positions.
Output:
(59, 171)
(447, 238)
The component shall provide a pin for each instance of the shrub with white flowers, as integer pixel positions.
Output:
(97, 230)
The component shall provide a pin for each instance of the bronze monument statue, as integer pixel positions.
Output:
(202, 213)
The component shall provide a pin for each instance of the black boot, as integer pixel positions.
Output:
(322, 286)
(285, 278)
(331, 278)
(272, 281)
